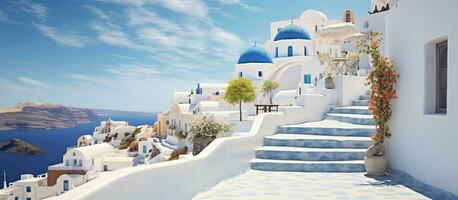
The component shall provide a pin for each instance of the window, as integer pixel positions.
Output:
(305, 51)
(259, 73)
(167, 122)
(441, 76)
(307, 78)
(92, 161)
(65, 184)
(74, 162)
(105, 168)
(144, 149)
(366, 24)
(316, 28)
(28, 198)
(74, 154)
(28, 189)
(80, 163)
(240, 74)
(276, 52)
(278, 30)
(348, 16)
(16, 198)
(185, 127)
(290, 51)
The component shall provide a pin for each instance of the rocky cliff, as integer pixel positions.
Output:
(27, 116)
(18, 146)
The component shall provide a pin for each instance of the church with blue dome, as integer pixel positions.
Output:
(292, 32)
(255, 54)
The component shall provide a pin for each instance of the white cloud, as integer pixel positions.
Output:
(5, 18)
(134, 70)
(33, 82)
(79, 76)
(156, 36)
(188, 7)
(139, 16)
(110, 34)
(64, 37)
(123, 56)
(36, 9)
(241, 4)
(97, 12)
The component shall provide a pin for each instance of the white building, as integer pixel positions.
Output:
(112, 131)
(417, 34)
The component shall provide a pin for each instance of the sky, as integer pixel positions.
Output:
(133, 54)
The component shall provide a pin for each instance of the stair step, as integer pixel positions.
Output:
(360, 103)
(308, 166)
(351, 118)
(362, 110)
(329, 127)
(310, 154)
(364, 97)
(317, 141)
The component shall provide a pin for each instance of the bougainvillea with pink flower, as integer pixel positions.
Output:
(382, 80)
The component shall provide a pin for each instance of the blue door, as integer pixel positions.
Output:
(65, 185)
(290, 51)
(307, 78)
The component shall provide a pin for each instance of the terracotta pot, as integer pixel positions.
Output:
(200, 144)
(375, 160)
(329, 83)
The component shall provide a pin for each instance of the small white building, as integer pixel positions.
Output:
(114, 131)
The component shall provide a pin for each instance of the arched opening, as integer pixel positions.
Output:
(305, 51)
(276, 52)
(290, 51)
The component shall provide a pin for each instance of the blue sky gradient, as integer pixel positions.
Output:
(132, 54)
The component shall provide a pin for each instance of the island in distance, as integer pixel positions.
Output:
(18, 146)
(29, 116)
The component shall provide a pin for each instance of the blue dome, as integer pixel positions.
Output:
(255, 54)
(292, 32)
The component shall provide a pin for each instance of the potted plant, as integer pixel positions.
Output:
(204, 130)
(329, 82)
(382, 80)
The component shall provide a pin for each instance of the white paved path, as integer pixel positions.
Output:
(265, 185)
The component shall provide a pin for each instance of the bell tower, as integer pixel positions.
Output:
(348, 17)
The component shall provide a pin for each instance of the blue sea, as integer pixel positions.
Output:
(55, 143)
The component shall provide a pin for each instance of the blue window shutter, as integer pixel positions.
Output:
(290, 51)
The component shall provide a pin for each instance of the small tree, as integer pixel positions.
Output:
(268, 89)
(240, 90)
(382, 80)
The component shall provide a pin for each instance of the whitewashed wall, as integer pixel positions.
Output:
(224, 158)
(424, 145)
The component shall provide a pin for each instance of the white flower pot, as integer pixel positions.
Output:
(375, 160)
